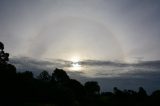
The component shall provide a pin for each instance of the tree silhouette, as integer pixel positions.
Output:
(26, 76)
(60, 75)
(92, 87)
(4, 57)
(77, 88)
(1, 46)
(7, 76)
(22, 88)
(44, 76)
(7, 71)
(117, 91)
(142, 92)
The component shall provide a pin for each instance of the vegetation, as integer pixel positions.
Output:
(22, 89)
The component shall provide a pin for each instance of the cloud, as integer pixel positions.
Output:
(108, 74)
(103, 63)
(97, 29)
(46, 28)
(90, 68)
(36, 66)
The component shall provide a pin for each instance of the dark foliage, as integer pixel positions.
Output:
(4, 57)
(92, 88)
(22, 89)
(44, 76)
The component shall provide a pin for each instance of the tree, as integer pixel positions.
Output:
(92, 87)
(155, 97)
(77, 88)
(44, 76)
(27, 76)
(7, 71)
(1, 46)
(4, 57)
(60, 75)
(117, 91)
(142, 92)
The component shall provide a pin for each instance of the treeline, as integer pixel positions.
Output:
(58, 89)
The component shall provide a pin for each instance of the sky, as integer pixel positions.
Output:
(94, 31)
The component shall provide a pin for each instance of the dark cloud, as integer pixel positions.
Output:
(31, 63)
(155, 63)
(129, 76)
(102, 63)
(36, 66)
(149, 64)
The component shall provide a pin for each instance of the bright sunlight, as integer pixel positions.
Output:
(75, 59)
(75, 64)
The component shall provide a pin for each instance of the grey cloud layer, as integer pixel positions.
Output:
(101, 68)
(108, 74)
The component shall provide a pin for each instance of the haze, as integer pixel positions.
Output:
(92, 29)
(114, 42)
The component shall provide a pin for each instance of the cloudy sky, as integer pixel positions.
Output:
(90, 29)
(99, 30)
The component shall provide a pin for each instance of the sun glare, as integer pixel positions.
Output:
(75, 59)
(75, 67)
(75, 64)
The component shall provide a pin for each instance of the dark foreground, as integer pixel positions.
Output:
(22, 89)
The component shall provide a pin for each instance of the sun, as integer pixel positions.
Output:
(75, 59)
(75, 64)
(75, 67)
